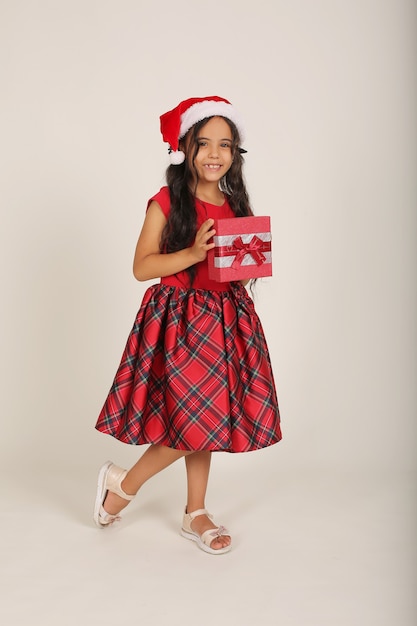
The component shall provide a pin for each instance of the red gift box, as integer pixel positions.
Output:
(242, 249)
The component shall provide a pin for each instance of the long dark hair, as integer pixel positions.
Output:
(181, 227)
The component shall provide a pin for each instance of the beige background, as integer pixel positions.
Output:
(327, 90)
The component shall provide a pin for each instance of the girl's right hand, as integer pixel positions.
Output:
(201, 246)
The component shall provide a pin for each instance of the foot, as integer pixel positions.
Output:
(113, 503)
(201, 523)
(111, 492)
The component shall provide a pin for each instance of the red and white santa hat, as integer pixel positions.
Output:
(175, 124)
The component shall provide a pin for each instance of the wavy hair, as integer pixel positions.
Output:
(182, 180)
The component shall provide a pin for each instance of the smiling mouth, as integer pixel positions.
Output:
(213, 167)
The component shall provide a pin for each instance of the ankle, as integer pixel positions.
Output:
(127, 490)
(195, 507)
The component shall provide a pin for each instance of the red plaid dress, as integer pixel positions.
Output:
(195, 373)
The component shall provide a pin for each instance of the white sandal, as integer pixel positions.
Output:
(110, 478)
(205, 540)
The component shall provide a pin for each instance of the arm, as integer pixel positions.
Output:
(149, 262)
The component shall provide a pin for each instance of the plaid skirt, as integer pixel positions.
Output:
(195, 375)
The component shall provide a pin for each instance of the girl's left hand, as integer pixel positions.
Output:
(150, 263)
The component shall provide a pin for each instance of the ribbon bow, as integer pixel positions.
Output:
(241, 249)
(218, 532)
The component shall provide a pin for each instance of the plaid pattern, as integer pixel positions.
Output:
(195, 375)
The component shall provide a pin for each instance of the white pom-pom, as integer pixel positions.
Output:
(176, 158)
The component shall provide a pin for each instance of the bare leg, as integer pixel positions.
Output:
(198, 469)
(153, 460)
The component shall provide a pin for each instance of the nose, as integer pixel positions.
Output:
(214, 153)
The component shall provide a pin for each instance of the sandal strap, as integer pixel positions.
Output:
(209, 535)
(198, 512)
(107, 518)
(114, 479)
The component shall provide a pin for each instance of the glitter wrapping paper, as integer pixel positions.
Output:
(242, 249)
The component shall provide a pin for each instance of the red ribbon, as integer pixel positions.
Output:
(241, 249)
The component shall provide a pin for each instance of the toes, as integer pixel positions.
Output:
(220, 542)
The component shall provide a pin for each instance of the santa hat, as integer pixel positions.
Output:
(175, 124)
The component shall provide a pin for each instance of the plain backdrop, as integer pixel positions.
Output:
(327, 90)
(328, 94)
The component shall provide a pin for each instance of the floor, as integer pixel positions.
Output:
(310, 548)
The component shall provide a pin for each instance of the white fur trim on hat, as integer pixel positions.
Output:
(209, 108)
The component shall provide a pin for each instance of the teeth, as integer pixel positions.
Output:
(213, 167)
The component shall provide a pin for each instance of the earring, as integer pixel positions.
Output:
(224, 186)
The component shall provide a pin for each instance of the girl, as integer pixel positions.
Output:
(195, 376)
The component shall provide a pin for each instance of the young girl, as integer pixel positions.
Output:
(195, 376)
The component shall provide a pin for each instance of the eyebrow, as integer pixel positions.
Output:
(208, 138)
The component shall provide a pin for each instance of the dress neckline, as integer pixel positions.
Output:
(218, 206)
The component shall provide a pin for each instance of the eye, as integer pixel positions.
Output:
(201, 143)
(225, 145)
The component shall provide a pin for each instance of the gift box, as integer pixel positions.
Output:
(242, 249)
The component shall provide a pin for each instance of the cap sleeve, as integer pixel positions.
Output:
(163, 199)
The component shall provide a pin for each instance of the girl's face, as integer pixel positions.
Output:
(214, 156)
